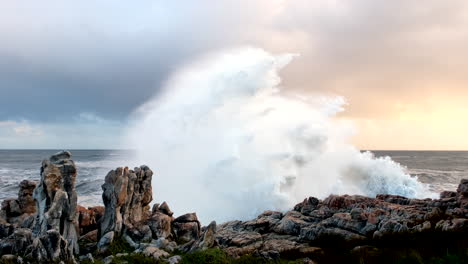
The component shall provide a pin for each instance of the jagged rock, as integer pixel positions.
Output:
(164, 208)
(342, 221)
(105, 241)
(50, 246)
(186, 227)
(25, 197)
(56, 203)
(160, 225)
(463, 187)
(307, 206)
(17, 242)
(462, 192)
(127, 194)
(89, 218)
(141, 233)
(16, 211)
(454, 225)
(165, 244)
(209, 236)
(290, 224)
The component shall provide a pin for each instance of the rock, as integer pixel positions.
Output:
(9, 259)
(16, 211)
(56, 202)
(25, 197)
(457, 225)
(108, 259)
(105, 242)
(6, 230)
(89, 237)
(447, 194)
(463, 188)
(186, 218)
(186, 227)
(17, 243)
(127, 194)
(155, 253)
(307, 206)
(89, 218)
(290, 224)
(164, 244)
(88, 242)
(88, 257)
(141, 233)
(160, 225)
(209, 236)
(174, 259)
(50, 246)
(164, 208)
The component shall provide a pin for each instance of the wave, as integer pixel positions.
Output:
(228, 143)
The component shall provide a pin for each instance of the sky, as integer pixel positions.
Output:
(72, 73)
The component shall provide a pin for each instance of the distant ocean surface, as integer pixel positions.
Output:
(442, 170)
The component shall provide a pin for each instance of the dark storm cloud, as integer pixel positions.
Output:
(59, 59)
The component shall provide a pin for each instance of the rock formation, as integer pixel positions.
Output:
(127, 194)
(348, 223)
(56, 201)
(50, 224)
(20, 211)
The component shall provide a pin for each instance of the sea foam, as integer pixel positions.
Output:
(225, 141)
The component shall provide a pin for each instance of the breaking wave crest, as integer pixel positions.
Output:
(226, 142)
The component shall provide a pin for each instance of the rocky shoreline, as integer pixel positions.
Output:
(45, 224)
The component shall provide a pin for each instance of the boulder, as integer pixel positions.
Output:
(160, 225)
(186, 227)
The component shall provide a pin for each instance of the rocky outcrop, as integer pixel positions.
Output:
(43, 222)
(20, 211)
(56, 201)
(127, 194)
(345, 222)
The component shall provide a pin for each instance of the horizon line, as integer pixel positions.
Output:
(122, 149)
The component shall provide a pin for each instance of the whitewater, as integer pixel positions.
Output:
(227, 141)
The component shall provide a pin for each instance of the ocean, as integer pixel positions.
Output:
(442, 170)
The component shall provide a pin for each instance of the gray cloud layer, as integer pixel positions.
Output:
(61, 59)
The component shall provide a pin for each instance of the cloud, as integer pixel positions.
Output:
(60, 61)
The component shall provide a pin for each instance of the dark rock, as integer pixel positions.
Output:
(186, 231)
(160, 225)
(307, 206)
(447, 194)
(164, 208)
(186, 218)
